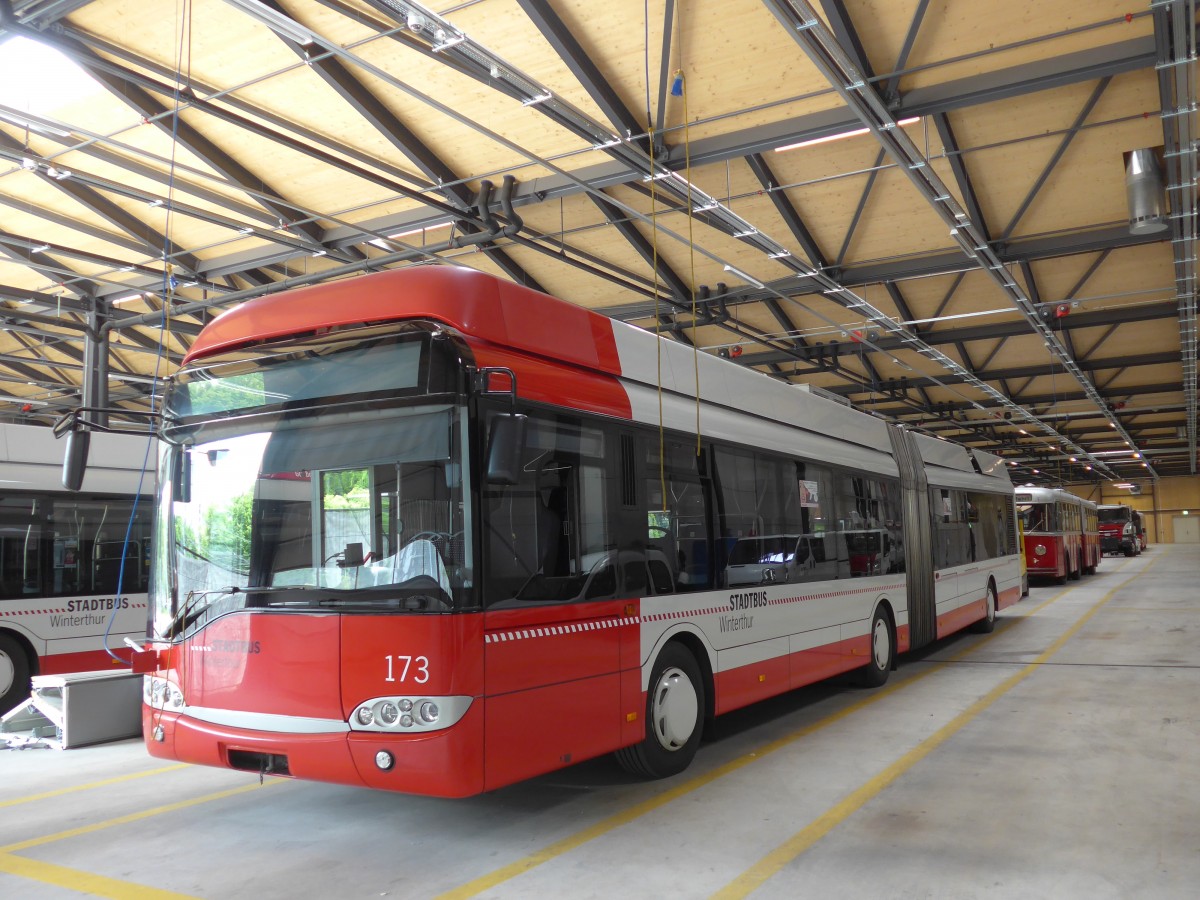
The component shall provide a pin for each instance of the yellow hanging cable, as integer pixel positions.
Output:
(662, 474)
(662, 440)
(687, 158)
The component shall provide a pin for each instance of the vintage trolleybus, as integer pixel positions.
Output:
(1061, 533)
(63, 556)
(423, 531)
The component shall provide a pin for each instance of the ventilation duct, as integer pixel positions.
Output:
(1144, 191)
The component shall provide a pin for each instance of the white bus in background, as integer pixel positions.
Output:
(63, 555)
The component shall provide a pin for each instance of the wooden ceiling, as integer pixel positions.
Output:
(972, 272)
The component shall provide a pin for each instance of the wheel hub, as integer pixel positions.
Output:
(676, 708)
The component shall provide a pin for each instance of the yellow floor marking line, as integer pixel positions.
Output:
(91, 785)
(89, 882)
(777, 859)
(567, 844)
(134, 817)
(83, 882)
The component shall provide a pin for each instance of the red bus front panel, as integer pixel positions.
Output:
(286, 664)
(1044, 555)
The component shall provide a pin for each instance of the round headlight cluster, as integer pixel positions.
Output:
(1040, 550)
(412, 714)
(161, 693)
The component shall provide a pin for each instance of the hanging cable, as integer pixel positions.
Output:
(662, 473)
(687, 161)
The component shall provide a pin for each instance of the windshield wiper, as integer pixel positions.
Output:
(198, 603)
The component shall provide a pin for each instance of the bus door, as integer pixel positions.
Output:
(560, 595)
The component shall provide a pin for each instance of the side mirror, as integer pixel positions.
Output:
(75, 459)
(181, 477)
(506, 439)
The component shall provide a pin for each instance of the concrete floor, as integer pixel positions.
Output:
(1058, 757)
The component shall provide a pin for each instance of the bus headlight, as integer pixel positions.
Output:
(408, 715)
(1039, 550)
(160, 693)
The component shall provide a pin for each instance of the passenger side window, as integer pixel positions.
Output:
(545, 535)
(677, 529)
(810, 517)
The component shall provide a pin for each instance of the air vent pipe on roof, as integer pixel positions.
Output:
(1144, 191)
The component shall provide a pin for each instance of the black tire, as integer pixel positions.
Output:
(1128, 551)
(883, 650)
(675, 708)
(988, 622)
(14, 673)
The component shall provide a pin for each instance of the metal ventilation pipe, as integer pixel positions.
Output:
(1144, 191)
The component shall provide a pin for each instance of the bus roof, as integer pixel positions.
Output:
(481, 305)
(495, 314)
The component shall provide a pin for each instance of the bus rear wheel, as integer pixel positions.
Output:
(674, 717)
(883, 650)
(14, 673)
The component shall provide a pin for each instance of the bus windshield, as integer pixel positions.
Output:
(1038, 517)
(331, 510)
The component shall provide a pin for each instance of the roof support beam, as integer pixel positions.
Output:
(858, 211)
(847, 35)
(660, 267)
(958, 166)
(890, 89)
(1063, 144)
(786, 210)
(128, 91)
(1118, 316)
(579, 61)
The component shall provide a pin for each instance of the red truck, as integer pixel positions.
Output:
(1119, 529)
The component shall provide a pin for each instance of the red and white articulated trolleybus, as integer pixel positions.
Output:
(1062, 538)
(62, 555)
(422, 531)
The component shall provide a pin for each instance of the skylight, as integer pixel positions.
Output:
(38, 80)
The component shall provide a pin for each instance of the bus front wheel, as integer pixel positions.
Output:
(674, 717)
(14, 673)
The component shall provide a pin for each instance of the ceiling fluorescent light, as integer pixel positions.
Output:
(275, 20)
(742, 275)
(23, 122)
(837, 137)
(419, 230)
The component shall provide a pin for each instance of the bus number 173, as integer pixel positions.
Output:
(404, 663)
